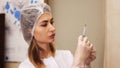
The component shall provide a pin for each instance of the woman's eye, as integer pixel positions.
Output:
(44, 25)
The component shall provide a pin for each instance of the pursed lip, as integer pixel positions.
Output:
(52, 36)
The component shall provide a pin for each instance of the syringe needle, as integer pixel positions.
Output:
(84, 31)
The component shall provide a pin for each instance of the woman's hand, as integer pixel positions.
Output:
(83, 53)
(91, 57)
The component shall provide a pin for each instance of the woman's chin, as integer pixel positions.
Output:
(51, 41)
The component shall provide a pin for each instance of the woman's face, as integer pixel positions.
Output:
(45, 29)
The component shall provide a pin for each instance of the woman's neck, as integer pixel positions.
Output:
(46, 52)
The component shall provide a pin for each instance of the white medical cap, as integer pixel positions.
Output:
(29, 16)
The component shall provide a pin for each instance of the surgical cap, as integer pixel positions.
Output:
(29, 16)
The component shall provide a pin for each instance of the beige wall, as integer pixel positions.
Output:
(70, 17)
(112, 54)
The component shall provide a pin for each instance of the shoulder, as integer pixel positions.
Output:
(26, 64)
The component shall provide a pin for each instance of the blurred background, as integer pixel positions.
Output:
(102, 18)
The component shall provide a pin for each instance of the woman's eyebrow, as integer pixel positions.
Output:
(45, 21)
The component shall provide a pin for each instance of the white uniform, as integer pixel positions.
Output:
(62, 59)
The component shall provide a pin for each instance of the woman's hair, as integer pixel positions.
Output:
(34, 53)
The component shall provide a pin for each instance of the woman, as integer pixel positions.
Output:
(39, 32)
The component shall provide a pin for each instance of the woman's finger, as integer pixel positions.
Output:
(91, 46)
(80, 38)
(93, 51)
(88, 43)
(93, 56)
(85, 39)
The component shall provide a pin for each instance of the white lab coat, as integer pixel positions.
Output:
(62, 59)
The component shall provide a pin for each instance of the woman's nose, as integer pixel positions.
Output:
(52, 27)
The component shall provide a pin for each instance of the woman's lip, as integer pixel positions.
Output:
(52, 36)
